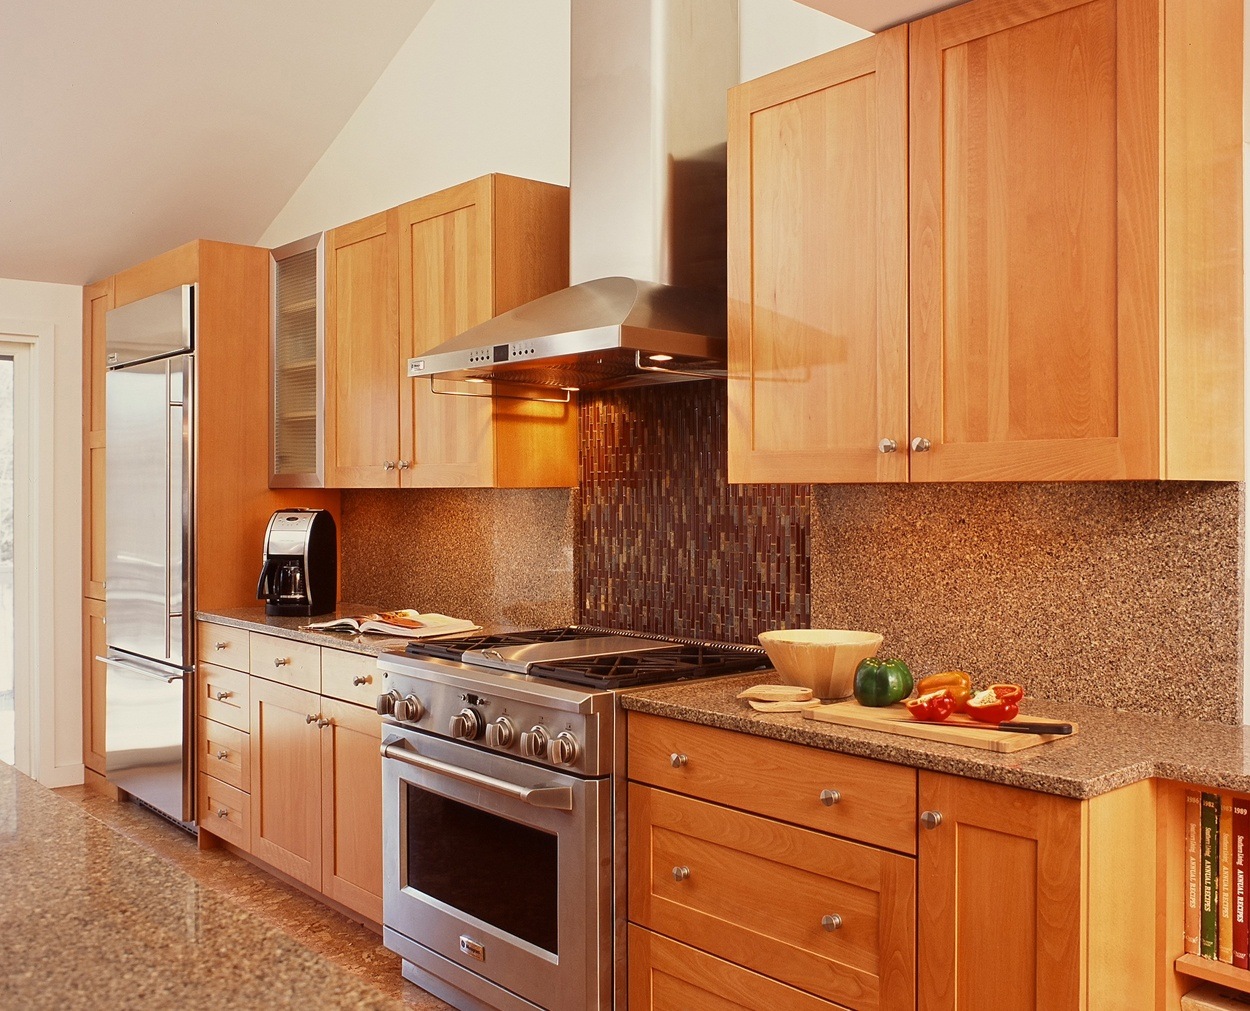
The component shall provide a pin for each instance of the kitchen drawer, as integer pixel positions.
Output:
(286, 661)
(223, 696)
(225, 753)
(222, 645)
(667, 976)
(875, 801)
(224, 811)
(762, 893)
(351, 677)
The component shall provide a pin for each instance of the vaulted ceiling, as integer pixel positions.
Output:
(131, 126)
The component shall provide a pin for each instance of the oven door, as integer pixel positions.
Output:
(497, 876)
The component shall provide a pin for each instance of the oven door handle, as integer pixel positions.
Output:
(557, 798)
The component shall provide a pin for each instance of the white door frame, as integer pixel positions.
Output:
(34, 626)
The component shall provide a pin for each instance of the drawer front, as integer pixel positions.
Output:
(831, 917)
(225, 754)
(286, 661)
(222, 645)
(858, 798)
(223, 695)
(224, 811)
(350, 677)
(666, 976)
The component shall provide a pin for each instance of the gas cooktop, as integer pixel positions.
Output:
(593, 657)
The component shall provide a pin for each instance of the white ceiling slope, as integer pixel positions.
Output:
(132, 126)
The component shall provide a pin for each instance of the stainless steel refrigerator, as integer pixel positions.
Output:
(149, 392)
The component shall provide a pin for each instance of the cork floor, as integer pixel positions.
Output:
(342, 941)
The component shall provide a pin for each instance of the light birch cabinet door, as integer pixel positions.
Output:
(362, 354)
(351, 807)
(97, 301)
(286, 779)
(818, 268)
(95, 644)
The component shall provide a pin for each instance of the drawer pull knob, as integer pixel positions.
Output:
(220, 645)
(830, 797)
(676, 760)
(223, 755)
(222, 696)
(831, 922)
(322, 722)
(310, 718)
(361, 679)
(223, 813)
(681, 873)
(887, 446)
(930, 819)
(280, 661)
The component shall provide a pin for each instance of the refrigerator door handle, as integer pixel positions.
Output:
(134, 668)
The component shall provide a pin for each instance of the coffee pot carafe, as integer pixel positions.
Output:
(299, 576)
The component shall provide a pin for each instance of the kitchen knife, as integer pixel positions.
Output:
(1016, 727)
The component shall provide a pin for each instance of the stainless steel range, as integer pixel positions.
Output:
(503, 809)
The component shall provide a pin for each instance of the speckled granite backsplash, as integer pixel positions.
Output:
(1124, 594)
(480, 553)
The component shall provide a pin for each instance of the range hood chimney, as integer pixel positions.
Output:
(647, 211)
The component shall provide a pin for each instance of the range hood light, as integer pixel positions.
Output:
(474, 379)
(659, 358)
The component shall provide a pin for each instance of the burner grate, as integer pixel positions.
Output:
(628, 670)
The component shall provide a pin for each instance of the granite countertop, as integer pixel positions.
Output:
(1112, 748)
(254, 619)
(91, 919)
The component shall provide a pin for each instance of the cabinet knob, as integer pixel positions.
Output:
(388, 464)
(831, 922)
(223, 813)
(281, 661)
(310, 718)
(920, 445)
(222, 696)
(887, 446)
(361, 679)
(830, 797)
(220, 645)
(322, 722)
(223, 755)
(681, 873)
(403, 465)
(676, 760)
(930, 819)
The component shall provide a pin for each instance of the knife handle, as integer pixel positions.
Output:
(1024, 727)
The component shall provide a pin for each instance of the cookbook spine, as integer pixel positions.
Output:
(1210, 873)
(1241, 860)
(1193, 872)
(1224, 932)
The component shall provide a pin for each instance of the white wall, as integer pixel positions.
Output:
(482, 87)
(55, 310)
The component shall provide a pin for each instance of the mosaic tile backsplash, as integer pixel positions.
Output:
(665, 544)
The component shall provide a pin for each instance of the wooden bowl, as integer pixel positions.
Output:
(822, 659)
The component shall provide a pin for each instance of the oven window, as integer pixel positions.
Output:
(497, 870)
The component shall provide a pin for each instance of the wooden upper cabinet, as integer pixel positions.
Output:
(362, 353)
(401, 282)
(818, 267)
(97, 301)
(1073, 197)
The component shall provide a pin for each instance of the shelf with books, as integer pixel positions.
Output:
(1211, 971)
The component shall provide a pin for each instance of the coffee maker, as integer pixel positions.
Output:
(299, 577)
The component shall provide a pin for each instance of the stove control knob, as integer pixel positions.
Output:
(467, 724)
(409, 709)
(534, 742)
(499, 733)
(386, 703)
(563, 750)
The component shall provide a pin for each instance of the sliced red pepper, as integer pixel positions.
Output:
(956, 682)
(1008, 692)
(987, 707)
(931, 708)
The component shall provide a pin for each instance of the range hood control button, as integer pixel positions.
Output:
(467, 724)
(563, 750)
(534, 742)
(499, 733)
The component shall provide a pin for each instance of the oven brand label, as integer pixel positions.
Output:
(471, 948)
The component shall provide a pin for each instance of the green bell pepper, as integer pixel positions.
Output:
(882, 682)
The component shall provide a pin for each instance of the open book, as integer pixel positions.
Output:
(404, 622)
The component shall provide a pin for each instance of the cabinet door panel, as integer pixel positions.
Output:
(362, 354)
(818, 268)
(351, 807)
(446, 270)
(1032, 201)
(286, 780)
(1000, 884)
(94, 645)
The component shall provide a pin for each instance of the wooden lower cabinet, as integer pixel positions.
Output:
(93, 715)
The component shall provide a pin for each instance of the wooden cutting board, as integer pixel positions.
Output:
(896, 720)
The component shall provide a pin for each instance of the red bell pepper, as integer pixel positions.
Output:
(933, 707)
(988, 707)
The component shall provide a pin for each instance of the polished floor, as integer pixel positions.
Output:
(336, 938)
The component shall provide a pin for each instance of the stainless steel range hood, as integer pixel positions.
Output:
(647, 212)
